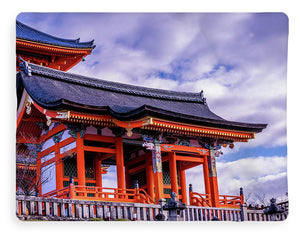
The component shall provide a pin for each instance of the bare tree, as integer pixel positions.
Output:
(26, 176)
(26, 173)
(247, 197)
(261, 198)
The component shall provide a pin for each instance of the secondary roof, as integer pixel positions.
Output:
(25, 32)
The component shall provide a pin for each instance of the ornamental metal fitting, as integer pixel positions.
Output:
(49, 121)
(28, 106)
(129, 132)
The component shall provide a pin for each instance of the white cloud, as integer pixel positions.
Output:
(257, 175)
(109, 180)
(239, 60)
(195, 49)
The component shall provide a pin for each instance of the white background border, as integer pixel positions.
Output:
(11, 226)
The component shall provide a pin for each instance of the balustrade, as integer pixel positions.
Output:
(70, 209)
(67, 209)
(225, 201)
(136, 195)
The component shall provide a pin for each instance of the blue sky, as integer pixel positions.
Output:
(238, 60)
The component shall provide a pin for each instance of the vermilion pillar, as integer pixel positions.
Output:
(120, 163)
(58, 168)
(173, 172)
(149, 176)
(183, 184)
(213, 179)
(80, 161)
(38, 173)
(157, 172)
(206, 176)
(98, 170)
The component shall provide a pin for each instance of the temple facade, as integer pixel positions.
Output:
(77, 126)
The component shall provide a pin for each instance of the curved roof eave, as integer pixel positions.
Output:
(28, 33)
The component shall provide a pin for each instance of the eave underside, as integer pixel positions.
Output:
(50, 56)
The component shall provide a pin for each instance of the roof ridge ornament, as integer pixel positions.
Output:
(202, 97)
(25, 67)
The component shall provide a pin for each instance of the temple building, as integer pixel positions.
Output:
(77, 126)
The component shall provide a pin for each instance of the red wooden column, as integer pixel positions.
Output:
(183, 184)
(149, 177)
(120, 163)
(38, 173)
(213, 179)
(206, 176)
(127, 178)
(157, 172)
(173, 172)
(80, 160)
(58, 168)
(98, 170)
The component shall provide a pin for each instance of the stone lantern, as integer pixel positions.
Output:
(174, 207)
(273, 209)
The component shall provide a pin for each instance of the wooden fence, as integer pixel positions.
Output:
(41, 208)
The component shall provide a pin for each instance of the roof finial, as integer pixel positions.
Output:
(202, 97)
(25, 67)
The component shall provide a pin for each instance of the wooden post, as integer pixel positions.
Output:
(38, 173)
(191, 194)
(206, 177)
(120, 163)
(183, 184)
(98, 170)
(173, 172)
(71, 191)
(157, 172)
(58, 168)
(149, 173)
(80, 161)
(242, 196)
(244, 216)
(213, 179)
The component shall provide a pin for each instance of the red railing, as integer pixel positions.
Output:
(225, 201)
(230, 201)
(202, 200)
(61, 193)
(136, 195)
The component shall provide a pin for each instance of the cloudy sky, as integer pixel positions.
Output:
(239, 60)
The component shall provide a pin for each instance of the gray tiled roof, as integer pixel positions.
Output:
(57, 90)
